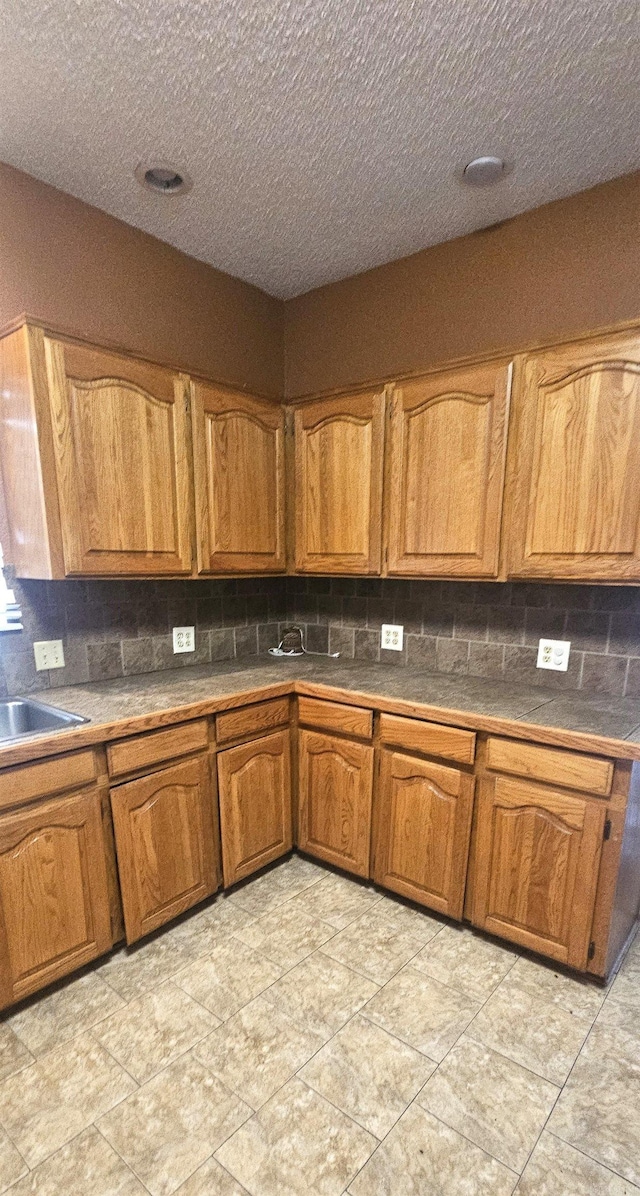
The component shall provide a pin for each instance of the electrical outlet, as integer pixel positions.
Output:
(184, 639)
(48, 654)
(553, 654)
(391, 636)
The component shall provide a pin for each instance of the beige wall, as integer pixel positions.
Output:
(555, 272)
(71, 265)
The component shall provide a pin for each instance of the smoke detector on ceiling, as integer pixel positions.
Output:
(484, 171)
(163, 179)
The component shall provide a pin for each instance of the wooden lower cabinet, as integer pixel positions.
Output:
(166, 843)
(335, 787)
(54, 897)
(536, 864)
(424, 817)
(254, 785)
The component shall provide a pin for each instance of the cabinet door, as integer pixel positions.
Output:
(238, 445)
(339, 447)
(119, 433)
(446, 476)
(166, 844)
(255, 804)
(536, 859)
(335, 782)
(424, 824)
(575, 474)
(54, 896)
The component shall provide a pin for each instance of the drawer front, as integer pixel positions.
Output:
(31, 781)
(589, 774)
(252, 720)
(336, 716)
(131, 754)
(434, 739)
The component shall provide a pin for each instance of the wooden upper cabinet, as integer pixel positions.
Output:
(120, 445)
(575, 467)
(166, 843)
(335, 778)
(446, 472)
(54, 897)
(424, 825)
(255, 804)
(238, 446)
(537, 857)
(339, 449)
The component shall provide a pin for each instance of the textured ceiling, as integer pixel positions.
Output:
(322, 135)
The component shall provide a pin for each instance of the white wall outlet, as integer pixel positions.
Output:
(184, 639)
(48, 655)
(391, 636)
(553, 654)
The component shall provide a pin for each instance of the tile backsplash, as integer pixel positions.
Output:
(485, 629)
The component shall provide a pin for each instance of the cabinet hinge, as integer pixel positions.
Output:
(606, 834)
(592, 950)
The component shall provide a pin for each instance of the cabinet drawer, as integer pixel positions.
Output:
(252, 720)
(587, 773)
(131, 754)
(31, 781)
(336, 716)
(433, 739)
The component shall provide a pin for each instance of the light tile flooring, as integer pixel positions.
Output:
(309, 1034)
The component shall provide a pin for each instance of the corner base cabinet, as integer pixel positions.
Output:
(166, 843)
(254, 781)
(335, 778)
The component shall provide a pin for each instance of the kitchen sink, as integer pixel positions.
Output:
(22, 716)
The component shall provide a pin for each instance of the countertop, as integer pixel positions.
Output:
(125, 706)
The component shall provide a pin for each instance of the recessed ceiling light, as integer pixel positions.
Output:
(483, 171)
(163, 179)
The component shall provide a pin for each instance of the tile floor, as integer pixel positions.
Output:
(309, 1034)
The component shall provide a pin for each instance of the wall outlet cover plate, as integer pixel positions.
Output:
(48, 654)
(392, 636)
(184, 639)
(553, 654)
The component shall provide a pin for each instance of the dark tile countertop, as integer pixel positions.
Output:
(170, 694)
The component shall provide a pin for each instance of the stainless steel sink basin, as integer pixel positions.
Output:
(22, 716)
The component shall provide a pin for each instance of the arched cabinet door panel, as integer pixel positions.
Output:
(254, 783)
(54, 898)
(537, 856)
(238, 447)
(448, 435)
(575, 486)
(166, 843)
(335, 778)
(120, 446)
(424, 825)
(339, 449)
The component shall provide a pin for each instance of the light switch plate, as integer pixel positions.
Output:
(184, 639)
(49, 654)
(553, 654)
(391, 636)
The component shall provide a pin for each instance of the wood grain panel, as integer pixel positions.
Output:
(537, 857)
(448, 438)
(238, 445)
(433, 739)
(252, 720)
(576, 470)
(165, 843)
(255, 804)
(339, 447)
(335, 778)
(54, 898)
(589, 773)
(128, 755)
(424, 827)
(31, 781)
(120, 439)
(336, 716)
